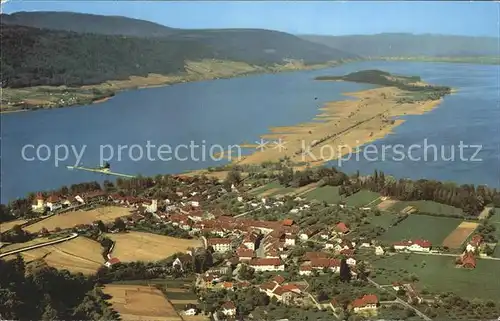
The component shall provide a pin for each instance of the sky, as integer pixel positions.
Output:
(297, 17)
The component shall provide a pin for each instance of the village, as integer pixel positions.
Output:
(284, 259)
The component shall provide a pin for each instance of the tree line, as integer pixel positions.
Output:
(44, 293)
(471, 199)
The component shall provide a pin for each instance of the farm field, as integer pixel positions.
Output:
(496, 220)
(177, 291)
(141, 246)
(300, 191)
(77, 255)
(4, 227)
(456, 238)
(362, 198)
(432, 228)
(329, 194)
(386, 205)
(439, 274)
(140, 303)
(261, 189)
(71, 219)
(426, 207)
(384, 220)
(38, 240)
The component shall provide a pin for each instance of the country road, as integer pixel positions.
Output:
(72, 236)
(457, 255)
(398, 300)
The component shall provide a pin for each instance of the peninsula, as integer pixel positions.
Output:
(346, 125)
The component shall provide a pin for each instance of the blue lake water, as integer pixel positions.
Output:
(233, 111)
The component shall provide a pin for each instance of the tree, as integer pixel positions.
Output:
(345, 271)
(233, 177)
(49, 314)
(119, 224)
(101, 226)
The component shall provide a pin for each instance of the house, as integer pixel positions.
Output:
(308, 232)
(379, 250)
(150, 206)
(190, 309)
(351, 261)
(396, 286)
(53, 203)
(413, 246)
(183, 260)
(308, 256)
(367, 302)
(342, 228)
(93, 197)
(289, 239)
(325, 235)
(287, 294)
(412, 295)
(267, 264)
(474, 243)
(319, 264)
(467, 260)
(229, 309)
(38, 204)
(112, 262)
(245, 254)
(250, 240)
(220, 245)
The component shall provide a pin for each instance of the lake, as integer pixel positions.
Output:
(220, 113)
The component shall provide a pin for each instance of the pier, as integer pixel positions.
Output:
(104, 171)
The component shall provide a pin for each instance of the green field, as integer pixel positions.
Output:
(169, 283)
(427, 207)
(263, 188)
(497, 225)
(439, 274)
(496, 217)
(329, 194)
(432, 228)
(383, 220)
(362, 198)
(181, 295)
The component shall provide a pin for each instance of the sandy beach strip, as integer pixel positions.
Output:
(352, 123)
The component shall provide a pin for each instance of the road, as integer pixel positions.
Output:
(72, 236)
(247, 212)
(457, 255)
(404, 303)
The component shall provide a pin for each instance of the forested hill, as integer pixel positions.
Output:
(409, 45)
(87, 23)
(32, 56)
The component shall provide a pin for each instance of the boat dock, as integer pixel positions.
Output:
(101, 171)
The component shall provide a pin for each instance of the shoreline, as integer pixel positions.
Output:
(343, 126)
(195, 71)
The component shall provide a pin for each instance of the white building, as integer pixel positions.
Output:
(267, 264)
(151, 206)
(413, 246)
(379, 250)
(229, 309)
(220, 245)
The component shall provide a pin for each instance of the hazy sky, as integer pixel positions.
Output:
(306, 17)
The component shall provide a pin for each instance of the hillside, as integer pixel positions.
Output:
(256, 46)
(87, 23)
(33, 56)
(409, 45)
